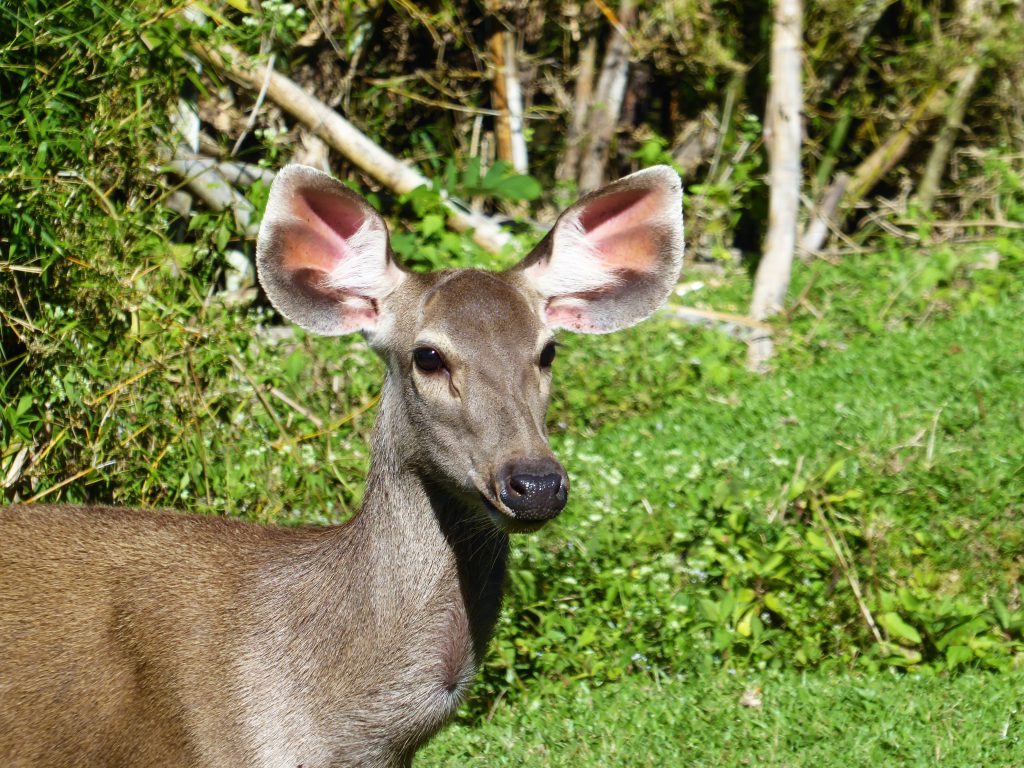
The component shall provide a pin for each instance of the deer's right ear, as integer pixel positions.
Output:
(322, 254)
(613, 257)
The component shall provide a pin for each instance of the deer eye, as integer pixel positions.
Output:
(427, 359)
(547, 355)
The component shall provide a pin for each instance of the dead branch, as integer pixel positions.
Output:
(823, 218)
(345, 138)
(245, 174)
(203, 178)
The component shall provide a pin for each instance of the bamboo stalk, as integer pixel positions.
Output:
(611, 88)
(569, 165)
(892, 150)
(499, 97)
(823, 217)
(514, 99)
(929, 186)
(202, 176)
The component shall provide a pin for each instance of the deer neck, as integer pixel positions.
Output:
(430, 549)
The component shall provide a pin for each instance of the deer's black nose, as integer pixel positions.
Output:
(534, 490)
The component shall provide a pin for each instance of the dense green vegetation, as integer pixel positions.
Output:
(845, 534)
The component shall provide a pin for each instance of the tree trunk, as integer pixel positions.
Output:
(783, 130)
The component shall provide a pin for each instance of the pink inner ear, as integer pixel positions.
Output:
(619, 227)
(340, 215)
(330, 221)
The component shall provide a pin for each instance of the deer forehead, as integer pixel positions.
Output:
(472, 310)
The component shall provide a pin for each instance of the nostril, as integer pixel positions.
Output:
(519, 485)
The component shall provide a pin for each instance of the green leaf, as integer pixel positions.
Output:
(964, 632)
(1002, 612)
(471, 177)
(834, 469)
(774, 603)
(745, 625)
(494, 175)
(897, 627)
(771, 563)
(957, 655)
(431, 224)
(518, 188)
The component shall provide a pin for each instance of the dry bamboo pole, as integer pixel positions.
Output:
(847, 190)
(203, 177)
(499, 97)
(936, 165)
(892, 150)
(568, 166)
(611, 88)
(822, 218)
(507, 97)
(783, 140)
(514, 99)
(976, 19)
(345, 138)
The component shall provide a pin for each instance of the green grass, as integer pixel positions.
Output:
(812, 720)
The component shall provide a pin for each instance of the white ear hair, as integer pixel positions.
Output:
(583, 273)
(352, 275)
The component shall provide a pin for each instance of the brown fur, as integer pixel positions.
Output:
(142, 638)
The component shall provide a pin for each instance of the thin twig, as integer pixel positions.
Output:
(255, 111)
(848, 572)
(58, 486)
(305, 412)
(278, 444)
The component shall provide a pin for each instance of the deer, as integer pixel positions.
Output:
(133, 637)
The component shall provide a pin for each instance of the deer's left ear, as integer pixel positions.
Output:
(612, 257)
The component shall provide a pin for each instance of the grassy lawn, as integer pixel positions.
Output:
(814, 720)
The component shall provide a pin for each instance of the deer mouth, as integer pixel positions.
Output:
(506, 520)
(523, 494)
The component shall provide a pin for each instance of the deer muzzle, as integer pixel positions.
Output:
(533, 491)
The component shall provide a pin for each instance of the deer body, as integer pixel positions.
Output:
(139, 638)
